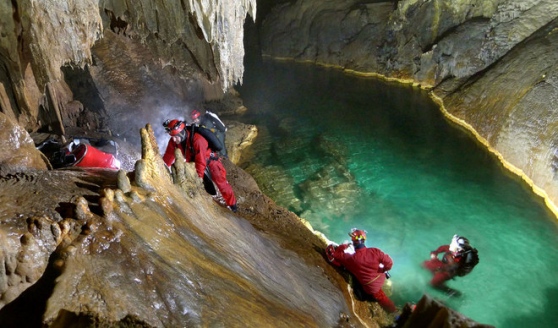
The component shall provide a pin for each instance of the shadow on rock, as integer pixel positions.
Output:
(27, 310)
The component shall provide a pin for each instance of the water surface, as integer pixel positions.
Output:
(343, 151)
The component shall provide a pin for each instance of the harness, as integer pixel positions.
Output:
(189, 146)
(371, 281)
(213, 156)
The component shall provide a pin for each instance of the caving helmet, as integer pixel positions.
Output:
(358, 236)
(195, 114)
(174, 127)
(458, 243)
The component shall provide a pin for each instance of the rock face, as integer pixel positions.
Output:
(491, 63)
(431, 313)
(17, 150)
(137, 249)
(514, 107)
(114, 57)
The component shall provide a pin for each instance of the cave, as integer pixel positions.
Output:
(141, 243)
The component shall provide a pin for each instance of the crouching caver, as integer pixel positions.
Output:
(368, 265)
(195, 148)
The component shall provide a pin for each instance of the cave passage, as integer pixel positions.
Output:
(343, 151)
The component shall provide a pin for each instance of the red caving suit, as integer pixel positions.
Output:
(201, 157)
(365, 266)
(444, 269)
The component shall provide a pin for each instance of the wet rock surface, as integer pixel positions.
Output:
(17, 150)
(431, 313)
(41, 209)
(513, 108)
(159, 255)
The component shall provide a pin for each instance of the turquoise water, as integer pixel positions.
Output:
(345, 151)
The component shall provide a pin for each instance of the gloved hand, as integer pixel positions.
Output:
(433, 255)
(330, 250)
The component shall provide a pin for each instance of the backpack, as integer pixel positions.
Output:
(469, 259)
(212, 141)
(215, 121)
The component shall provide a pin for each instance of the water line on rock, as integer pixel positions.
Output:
(507, 165)
(439, 101)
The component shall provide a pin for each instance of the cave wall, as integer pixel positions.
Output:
(489, 63)
(513, 106)
(132, 55)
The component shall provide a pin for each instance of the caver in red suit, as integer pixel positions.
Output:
(446, 268)
(368, 265)
(199, 152)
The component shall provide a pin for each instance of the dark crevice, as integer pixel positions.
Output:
(84, 89)
(452, 30)
(17, 21)
(69, 319)
(117, 24)
(157, 23)
(27, 310)
(66, 209)
(94, 204)
(197, 28)
(362, 5)
(541, 35)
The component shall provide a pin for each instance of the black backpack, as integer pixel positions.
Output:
(212, 141)
(212, 119)
(469, 259)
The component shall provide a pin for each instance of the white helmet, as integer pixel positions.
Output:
(458, 243)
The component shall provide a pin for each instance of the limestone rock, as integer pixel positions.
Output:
(239, 137)
(31, 231)
(513, 107)
(488, 62)
(161, 259)
(457, 38)
(192, 47)
(17, 150)
(431, 313)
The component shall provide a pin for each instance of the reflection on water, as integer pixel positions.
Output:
(344, 151)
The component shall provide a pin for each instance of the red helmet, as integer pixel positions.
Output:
(195, 114)
(174, 127)
(357, 235)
